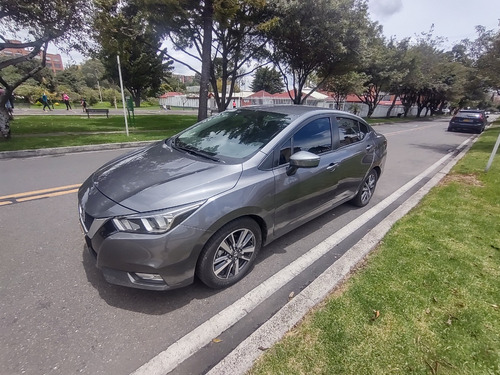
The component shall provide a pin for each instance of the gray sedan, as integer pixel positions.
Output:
(203, 202)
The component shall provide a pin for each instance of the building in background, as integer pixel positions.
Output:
(53, 61)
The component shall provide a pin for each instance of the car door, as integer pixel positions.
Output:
(302, 195)
(344, 162)
(354, 155)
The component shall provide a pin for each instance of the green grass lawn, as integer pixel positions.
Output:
(434, 281)
(32, 132)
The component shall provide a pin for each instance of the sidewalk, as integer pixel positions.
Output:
(20, 111)
(71, 149)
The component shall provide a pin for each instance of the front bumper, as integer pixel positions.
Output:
(123, 257)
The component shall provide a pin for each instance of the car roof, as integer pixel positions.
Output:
(294, 109)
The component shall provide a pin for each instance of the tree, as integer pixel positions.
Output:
(267, 79)
(187, 24)
(93, 72)
(120, 30)
(72, 79)
(326, 37)
(433, 78)
(57, 21)
(238, 39)
(488, 63)
(343, 85)
(222, 35)
(384, 69)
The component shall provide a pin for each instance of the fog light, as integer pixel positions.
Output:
(149, 276)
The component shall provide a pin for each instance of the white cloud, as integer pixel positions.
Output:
(385, 8)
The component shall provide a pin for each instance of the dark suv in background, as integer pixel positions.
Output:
(469, 120)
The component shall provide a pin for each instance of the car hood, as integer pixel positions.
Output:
(158, 177)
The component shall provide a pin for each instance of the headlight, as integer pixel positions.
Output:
(156, 221)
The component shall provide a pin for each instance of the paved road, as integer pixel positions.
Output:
(59, 316)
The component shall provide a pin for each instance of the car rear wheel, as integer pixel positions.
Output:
(365, 193)
(230, 253)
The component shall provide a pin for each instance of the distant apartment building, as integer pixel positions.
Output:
(53, 61)
(184, 79)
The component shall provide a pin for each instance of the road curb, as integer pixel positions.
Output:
(70, 149)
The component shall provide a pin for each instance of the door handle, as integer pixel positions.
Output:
(332, 166)
(369, 147)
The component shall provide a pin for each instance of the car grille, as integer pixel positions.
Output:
(85, 219)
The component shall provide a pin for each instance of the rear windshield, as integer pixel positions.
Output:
(469, 114)
(234, 135)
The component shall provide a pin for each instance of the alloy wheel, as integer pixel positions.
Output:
(234, 253)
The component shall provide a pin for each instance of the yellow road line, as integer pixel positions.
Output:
(35, 192)
(38, 194)
(47, 195)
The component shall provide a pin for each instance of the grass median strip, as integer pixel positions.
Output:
(33, 132)
(426, 301)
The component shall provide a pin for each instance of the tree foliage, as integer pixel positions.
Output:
(343, 85)
(382, 70)
(267, 79)
(326, 37)
(223, 36)
(488, 63)
(121, 30)
(35, 24)
(188, 25)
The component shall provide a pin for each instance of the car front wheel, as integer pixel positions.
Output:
(365, 193)
(230, 253)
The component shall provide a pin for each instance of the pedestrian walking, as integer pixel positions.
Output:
(65, 99)
(234, 103)
(84, 104)
(45, 102)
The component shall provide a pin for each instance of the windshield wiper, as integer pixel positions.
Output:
(194, 151)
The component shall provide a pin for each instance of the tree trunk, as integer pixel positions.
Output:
(393, 104)
(407, 109)
(206, 59)
(4, 122)
(371, 109)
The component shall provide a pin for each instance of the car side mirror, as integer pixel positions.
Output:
(302, 159)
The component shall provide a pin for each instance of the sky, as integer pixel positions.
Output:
(453, 20)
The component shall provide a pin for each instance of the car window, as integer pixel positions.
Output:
(350, 131)
(233, 135)
(363, 130)
(315, 137)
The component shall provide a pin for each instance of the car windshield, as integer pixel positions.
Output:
(234, 134)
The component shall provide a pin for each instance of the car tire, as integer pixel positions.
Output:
(230, 253)
(366, 190)
(450, 129)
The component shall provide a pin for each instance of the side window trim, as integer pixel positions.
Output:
(278, 150)
(353, 132)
